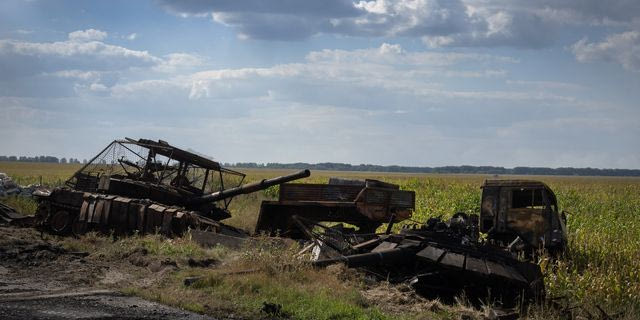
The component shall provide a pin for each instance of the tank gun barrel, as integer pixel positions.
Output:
(249, 188)
(390, 256)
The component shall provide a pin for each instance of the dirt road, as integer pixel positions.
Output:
(40, 280)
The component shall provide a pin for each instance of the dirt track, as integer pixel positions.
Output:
(40, 280)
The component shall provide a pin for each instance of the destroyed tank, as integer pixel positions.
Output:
(444, 260)
(147, 186)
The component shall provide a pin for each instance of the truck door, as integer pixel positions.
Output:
(526, 214)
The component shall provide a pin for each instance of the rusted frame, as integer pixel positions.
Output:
(68, 182)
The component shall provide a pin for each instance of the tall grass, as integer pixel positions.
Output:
(50, 174)
(600, 267)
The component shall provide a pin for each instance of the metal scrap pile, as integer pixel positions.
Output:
(438, 258)
(441, 260)
(8, 187)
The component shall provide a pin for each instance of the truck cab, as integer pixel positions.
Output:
(522, 213)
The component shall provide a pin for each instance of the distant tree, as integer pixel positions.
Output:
(63, 160)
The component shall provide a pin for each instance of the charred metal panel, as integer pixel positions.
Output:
(384, 246)
(431, 253)
(318, 192)
(476, 265)
(155, 215)
(120, 214)
(489, 209)
(365, 204)
(141, 210)
(166, 220)
(453, 259)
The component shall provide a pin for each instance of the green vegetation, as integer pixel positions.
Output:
(21, 204)
(371, 168)
(600, 268)
(52, 174)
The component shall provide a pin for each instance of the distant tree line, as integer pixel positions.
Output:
(47, 159)
(564, 171)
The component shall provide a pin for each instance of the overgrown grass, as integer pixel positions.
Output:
(23, 205)
(599, 269)
(154, 245)
(273, 274)
(51, 174)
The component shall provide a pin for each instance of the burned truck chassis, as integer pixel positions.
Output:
(437, 258)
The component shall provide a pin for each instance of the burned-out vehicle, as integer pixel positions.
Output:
(364, 204)
(147, 186)
(442, 259)
(515, 214)
(522, 214)
(439, 258)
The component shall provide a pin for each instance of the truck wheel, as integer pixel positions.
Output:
(78, 228)
(60, 222)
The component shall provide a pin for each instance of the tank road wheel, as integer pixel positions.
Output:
(60, 222)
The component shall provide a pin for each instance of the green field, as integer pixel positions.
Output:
(600, 268)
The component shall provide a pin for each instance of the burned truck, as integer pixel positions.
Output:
(522, 215)
(437, 257)
(364, 204)
(147, 186)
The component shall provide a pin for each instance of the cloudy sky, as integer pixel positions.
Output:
(425, 82)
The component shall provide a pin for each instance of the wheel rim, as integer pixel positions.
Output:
(60, 221)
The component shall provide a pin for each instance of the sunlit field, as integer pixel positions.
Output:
(600, 268)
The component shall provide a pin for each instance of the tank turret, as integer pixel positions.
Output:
(146, 186)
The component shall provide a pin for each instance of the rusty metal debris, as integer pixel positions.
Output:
(364, 204)
(147, 186)
(445, 260)
(437, 258)
(10, 216)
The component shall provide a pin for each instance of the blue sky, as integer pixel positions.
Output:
(424, 82)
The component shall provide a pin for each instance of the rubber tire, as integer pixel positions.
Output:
(60, 222)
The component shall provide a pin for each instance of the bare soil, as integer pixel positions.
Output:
(39, 279)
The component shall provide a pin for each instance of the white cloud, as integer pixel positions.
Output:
(388, 70)
(395, 54)
(336, 105)
(87, 35)
(132, 36)
(179, 61)
(518, 23)
(81, 67)
(99, 87)
(622, 48)
(75, 74)
(546, 85)
(23, 31)
(73, 48)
